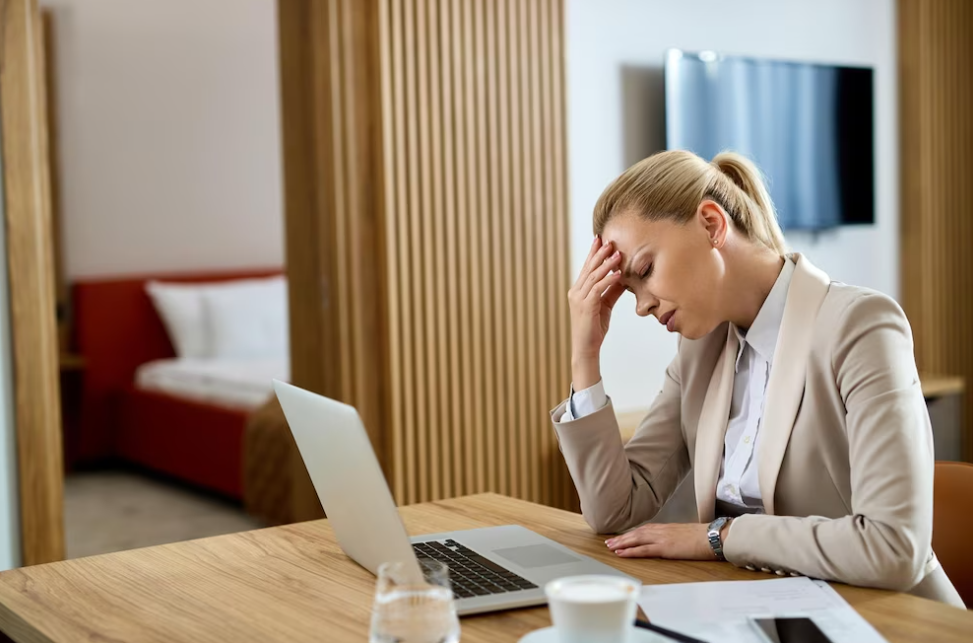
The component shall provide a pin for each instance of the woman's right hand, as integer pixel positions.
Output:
(591, 300)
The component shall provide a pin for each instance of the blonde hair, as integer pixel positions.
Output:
(670, 186)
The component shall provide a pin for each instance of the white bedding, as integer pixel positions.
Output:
(235, 384)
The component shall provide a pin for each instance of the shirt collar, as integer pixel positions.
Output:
(762, 336)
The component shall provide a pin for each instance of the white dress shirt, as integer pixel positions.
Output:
(738, 484)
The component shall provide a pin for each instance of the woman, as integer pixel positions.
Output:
(794, 400)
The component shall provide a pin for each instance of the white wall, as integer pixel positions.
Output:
(9, 496)
(169, 134)
(616, 117)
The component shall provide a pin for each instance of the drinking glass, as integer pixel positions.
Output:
(409, 610)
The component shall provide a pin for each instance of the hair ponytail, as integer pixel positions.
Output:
(671, 184)
(757, 209)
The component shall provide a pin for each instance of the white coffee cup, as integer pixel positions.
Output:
(592, 609)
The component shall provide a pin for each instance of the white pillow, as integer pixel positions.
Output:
(248, 319)
(181, 308)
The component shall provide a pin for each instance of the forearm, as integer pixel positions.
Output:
(611, 496)
(623, 486)
(853, 549)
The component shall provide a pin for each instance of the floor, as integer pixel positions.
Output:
(108, 511)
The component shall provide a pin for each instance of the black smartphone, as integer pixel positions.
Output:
(789, 630)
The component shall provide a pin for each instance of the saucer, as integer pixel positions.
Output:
(638, 635)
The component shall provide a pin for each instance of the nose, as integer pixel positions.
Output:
(644, 303)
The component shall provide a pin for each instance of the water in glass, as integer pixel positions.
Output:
(413, 609)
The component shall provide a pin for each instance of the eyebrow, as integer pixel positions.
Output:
(627, 271)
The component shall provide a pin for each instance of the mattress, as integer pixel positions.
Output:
(234, 384)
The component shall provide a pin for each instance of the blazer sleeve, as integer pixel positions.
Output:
(885, 542)
(623, 486)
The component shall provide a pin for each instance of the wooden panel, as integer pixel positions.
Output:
(53, 139)
(473, 125)
(427, 231)
(332, 122)
(936, 86)
(462, 125)
(449, 246)
(517, 367)
(33, 329)
(294, 583)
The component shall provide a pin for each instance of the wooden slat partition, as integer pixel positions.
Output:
(936, 88)
(30, 261)
(477, 223)
(425, 171)
(329, 54)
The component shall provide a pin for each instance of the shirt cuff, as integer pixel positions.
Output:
(585, 402)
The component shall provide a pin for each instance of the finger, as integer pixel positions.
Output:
(596, 246)
(609, 280)
(595, 261)
(598, 274)
(583, 283)
(641, 551)
(612, 293)
(640, 536)
(605, 249)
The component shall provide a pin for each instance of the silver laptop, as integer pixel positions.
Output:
(491, 569)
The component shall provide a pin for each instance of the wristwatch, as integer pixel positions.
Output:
(713, 534)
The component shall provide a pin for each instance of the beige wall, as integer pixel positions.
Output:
(169, 134)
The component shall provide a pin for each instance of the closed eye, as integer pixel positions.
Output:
(645, 273)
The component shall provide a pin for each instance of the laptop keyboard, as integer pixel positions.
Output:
(470, 573)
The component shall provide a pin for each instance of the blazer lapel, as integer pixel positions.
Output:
(711, 430)
(785, 389)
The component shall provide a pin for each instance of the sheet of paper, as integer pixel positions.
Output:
(718, 611)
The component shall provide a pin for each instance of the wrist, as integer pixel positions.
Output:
(585, 373)
(725, 531)
(716, 534)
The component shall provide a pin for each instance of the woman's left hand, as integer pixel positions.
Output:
(675, 541)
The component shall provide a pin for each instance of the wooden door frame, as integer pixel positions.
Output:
(30, 262)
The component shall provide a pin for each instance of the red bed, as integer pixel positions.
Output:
(117, 329)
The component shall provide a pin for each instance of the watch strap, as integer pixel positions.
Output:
(713, 535)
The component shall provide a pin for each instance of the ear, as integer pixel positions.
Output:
(714, 221)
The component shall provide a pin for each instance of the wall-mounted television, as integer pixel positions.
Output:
(809, 127)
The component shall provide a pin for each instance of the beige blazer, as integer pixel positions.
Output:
(845, 461)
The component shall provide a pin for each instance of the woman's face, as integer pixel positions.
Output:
(674, 270)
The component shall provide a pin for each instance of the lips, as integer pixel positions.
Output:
(665, 319)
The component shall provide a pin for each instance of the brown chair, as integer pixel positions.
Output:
(952, 523)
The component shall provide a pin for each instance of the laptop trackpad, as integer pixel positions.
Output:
(535, 556)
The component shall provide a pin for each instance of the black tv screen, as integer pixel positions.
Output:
(809, 127)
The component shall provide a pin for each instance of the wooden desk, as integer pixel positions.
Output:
(294, 584)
